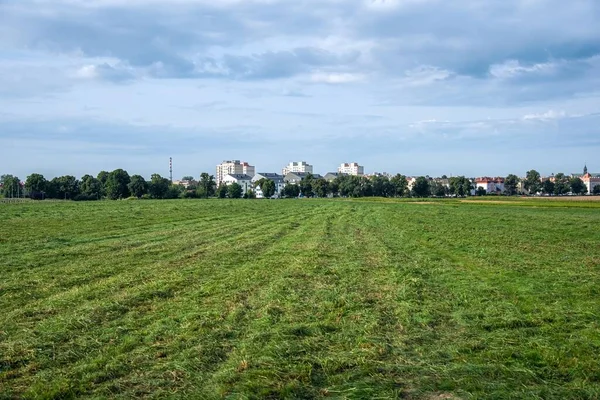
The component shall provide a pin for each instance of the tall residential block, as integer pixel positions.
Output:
(351, 169)
(233, 167)
(297, 166)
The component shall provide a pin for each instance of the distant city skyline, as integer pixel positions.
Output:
(491, 88)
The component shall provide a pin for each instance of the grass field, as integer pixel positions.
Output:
(300, 299)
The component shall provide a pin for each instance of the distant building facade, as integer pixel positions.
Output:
(276, 178)
(244, 180)
(233, 167)
(351, 169)
(295, 177)
(297, 166)
(491, 185)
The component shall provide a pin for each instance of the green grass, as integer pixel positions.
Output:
(300, 299)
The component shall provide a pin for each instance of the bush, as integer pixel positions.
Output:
(85, 197)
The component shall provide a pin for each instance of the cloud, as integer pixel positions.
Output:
(336, 77)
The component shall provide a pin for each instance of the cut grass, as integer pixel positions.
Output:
(300, 299)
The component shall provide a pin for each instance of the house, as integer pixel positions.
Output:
(295, 177)
(491, 185)
(276, 178)
(331, 176)
(244, 180)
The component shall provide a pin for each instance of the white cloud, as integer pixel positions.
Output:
(513, 68)
(548, 115)
(336, 77)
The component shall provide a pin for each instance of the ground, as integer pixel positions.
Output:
(300, 299)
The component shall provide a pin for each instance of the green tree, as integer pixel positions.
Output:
(596, 190)
(561, 184)
(421, 187)
(306, 186)
(290, 190)
(437, 189)
(222, 191)
(480, 191)
(11, 186)
(577, 186)
(158, 188)
(187, 178)
(250, 194)
(36, 183)
(381, 186)
(399, 186)
(64, 187)
(320, 187)
(267, 187)
(548, 186)
(116, 184)
(102, 178)
(234, 191)
(460, 186)
(90, 187)
(511, 182)
(532, 181)
(174, 191)
(207, 186)
(137, 186)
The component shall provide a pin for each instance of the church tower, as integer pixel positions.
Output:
(585, 169)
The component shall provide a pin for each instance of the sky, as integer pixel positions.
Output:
(419, 87)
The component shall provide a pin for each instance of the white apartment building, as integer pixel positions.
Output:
(233, 167)
(351, 169)
(298, 166)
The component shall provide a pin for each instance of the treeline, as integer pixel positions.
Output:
(114, 185)
(118, 184)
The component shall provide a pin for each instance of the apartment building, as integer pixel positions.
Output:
(298, 166)
(351, 169)
(233, 167)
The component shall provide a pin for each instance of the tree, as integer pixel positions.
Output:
(290, 190)
(250, 194)
(481, 191)
(234, 191)
(532, 181)
(36, 183)
(596, 190)
(421, 187)
(511, 182)
(460, 186)
(437, 189)
(306, 185)
(320, 187)
(116, 184)
(187, 178)
(381, 186)
(102, 178)
(577, 186)
(561, 184)
(207, 185)
(222, 191)
(267, 187)
(63, 187)
(138, 186)
(399, 186)
(548, 186)
(158, 187)
(11, 186)
(90, 187)
(173, 191)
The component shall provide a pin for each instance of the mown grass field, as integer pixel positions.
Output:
(300, 299)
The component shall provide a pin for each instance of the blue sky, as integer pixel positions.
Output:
(411, 86)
